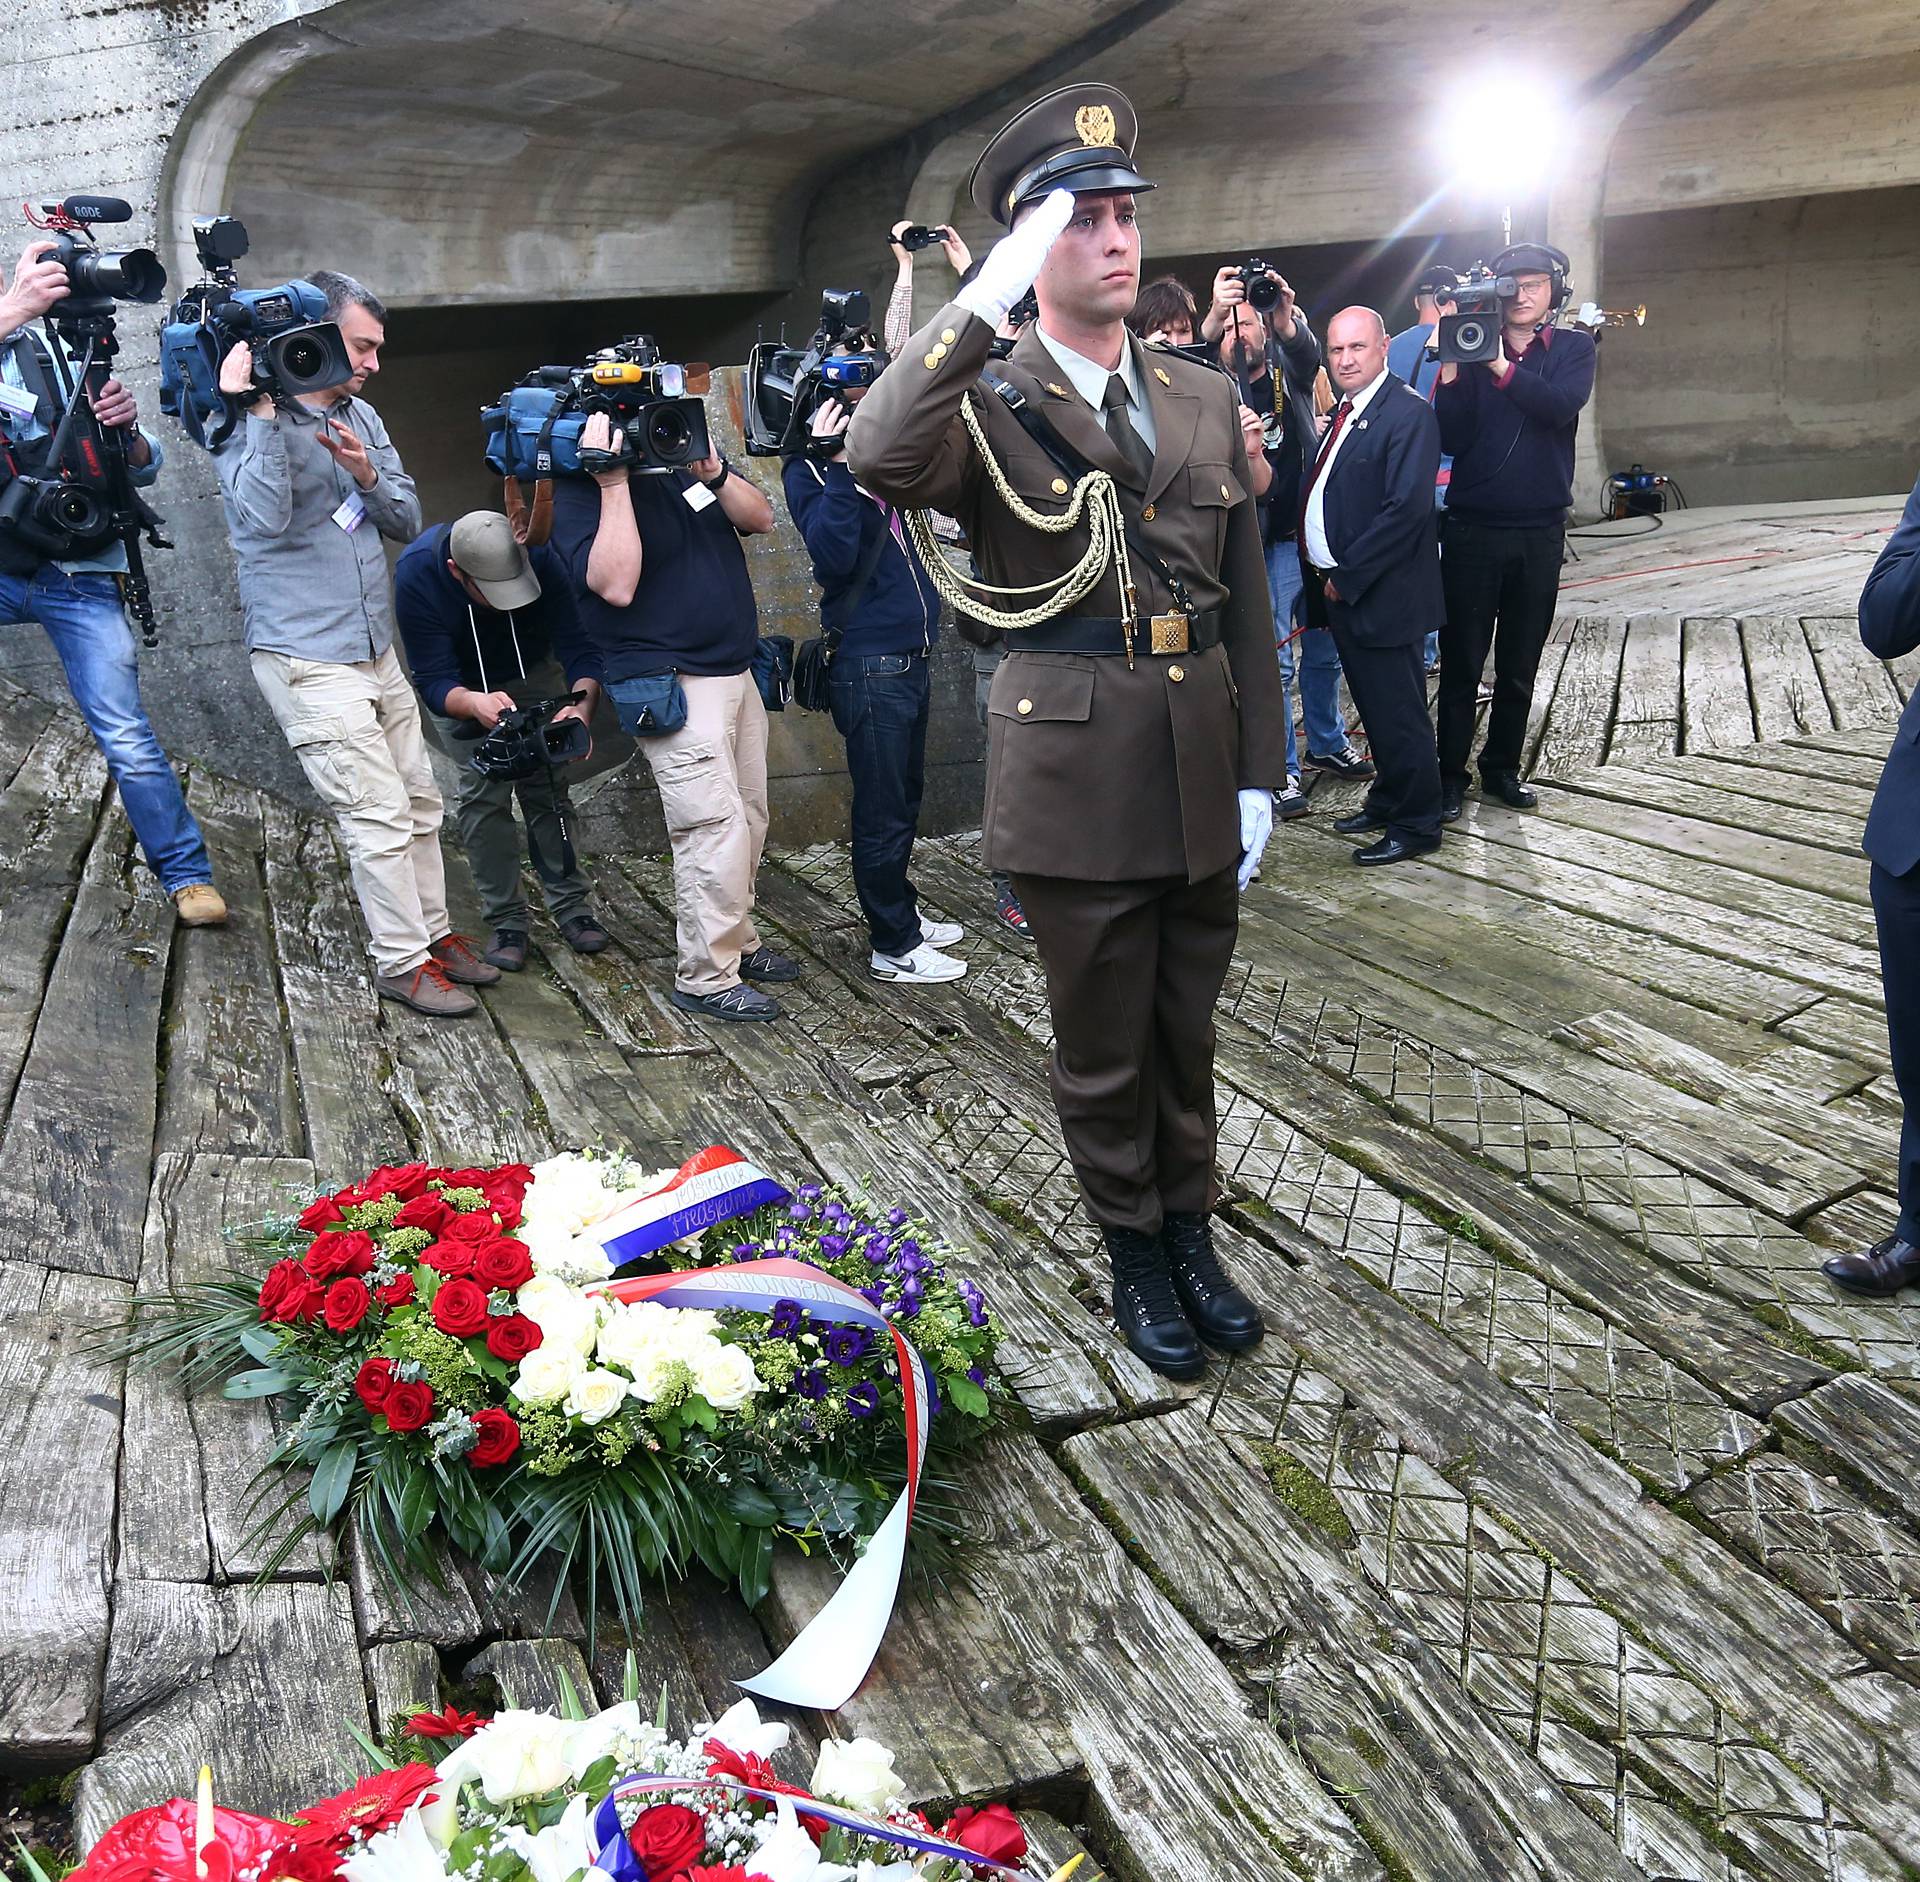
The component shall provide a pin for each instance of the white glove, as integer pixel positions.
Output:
(1014, 261)
(1256, 825)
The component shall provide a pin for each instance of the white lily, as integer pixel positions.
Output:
(404, 1853)
(739, 1729)
(787, 1853)
(559, 1852)
(440, 1813)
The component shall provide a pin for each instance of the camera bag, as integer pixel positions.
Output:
(533, 433)
(773, 670)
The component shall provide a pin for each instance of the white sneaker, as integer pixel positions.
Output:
(923, 967)
(941, 934)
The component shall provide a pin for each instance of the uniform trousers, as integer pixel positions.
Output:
(1133, 970)
(1501, 587)
(1896, 914)
(355, 727)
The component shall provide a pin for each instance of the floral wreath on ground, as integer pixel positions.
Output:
(452, 1362)
(541, 1797)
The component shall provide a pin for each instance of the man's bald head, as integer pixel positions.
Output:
(1356, 348)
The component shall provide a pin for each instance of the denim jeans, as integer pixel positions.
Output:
(84, 620)
(880, 703)
(1318, 662)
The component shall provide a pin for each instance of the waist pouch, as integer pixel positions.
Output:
(773, 670)
(650, 706)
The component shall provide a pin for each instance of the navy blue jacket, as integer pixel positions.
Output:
(1377, 503)
(1890, 627)
(1512, 444)
(899, 610)
(452, 641)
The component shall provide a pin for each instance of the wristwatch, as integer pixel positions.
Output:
(726, 471)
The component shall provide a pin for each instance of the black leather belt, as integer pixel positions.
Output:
(1086, 633)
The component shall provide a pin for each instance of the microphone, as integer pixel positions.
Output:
(97, 209)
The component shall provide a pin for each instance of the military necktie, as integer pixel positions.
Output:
(1120, 429)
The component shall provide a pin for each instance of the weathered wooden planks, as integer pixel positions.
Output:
(59, 1424)
(1647, 710)
(1583, 703)
(1860, 690)
(535, 1674)
(260, 1682)
(1714, 707)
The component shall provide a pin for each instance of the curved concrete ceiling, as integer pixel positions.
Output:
(489, 152)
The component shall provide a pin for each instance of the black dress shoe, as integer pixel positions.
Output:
(1453, 800)
(1508, 788)
(1145, 1307)
(1359, 823)
(1393, 849)
(1885, 1268)
(1224, 1316)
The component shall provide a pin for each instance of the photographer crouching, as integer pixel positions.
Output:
(490, 626)
(879, 617)
(76, 597)
(1508, 421)
(654, 556)
(311, 483)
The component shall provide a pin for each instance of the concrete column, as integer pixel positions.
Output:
(933, 197)
(1576, 222)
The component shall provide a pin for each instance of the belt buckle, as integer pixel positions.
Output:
(1170, 634)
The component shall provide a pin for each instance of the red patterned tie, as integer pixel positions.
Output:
(1319, 466)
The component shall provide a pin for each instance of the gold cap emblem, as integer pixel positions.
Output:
(1095, 125)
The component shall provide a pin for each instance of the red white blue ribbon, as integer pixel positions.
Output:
(613, 1855)
(832, 1654)
(713, 1186)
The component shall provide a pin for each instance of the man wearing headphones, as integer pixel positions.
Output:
(1509, 425)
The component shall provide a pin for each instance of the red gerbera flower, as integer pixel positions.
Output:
(749, 1767)
(450, 1722)
(374, 1804)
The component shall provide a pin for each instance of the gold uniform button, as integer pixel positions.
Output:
(1176, 674)
(1146, 515)
(1059, 486)
(931, 361)
(1225, 492)
(1026, 706)
(948, 335)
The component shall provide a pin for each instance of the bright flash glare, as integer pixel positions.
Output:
(1499, 136)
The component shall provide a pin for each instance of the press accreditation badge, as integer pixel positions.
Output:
(351, 514)
(698, 497)
(12, 399)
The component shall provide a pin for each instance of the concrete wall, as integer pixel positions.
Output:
(1777, 361)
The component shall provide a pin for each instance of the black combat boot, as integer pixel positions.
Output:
(1225, 1317)
(1145, 1308)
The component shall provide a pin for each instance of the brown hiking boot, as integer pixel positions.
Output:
(427, 989)
(461, 961)
(200, 905)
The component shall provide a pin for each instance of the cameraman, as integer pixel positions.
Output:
(882, 603)
(490, 625)
(1509, 425)
(78, 602)
(302, 481)
(664, 596)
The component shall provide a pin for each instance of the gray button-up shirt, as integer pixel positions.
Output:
(308, 587)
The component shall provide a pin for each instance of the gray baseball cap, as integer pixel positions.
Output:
(482, 546)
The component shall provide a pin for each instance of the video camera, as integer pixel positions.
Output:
(785, 384)
(535, 429)
(921, 236)
(524, 740)
(69, 496)
(1471, 333)
(295, 349)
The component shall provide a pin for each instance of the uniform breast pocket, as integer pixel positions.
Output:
(1213, 490)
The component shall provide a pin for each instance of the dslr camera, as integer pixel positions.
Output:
(1261, 279)
(785, 384)
(295, 349)
(534, 430)
(1471, 333)
(921, 236)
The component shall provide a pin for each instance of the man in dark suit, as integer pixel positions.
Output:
(1370, 552)
(1890, 626)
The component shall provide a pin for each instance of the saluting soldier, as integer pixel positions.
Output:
(1134, 728)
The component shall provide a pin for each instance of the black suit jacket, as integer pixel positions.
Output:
(1890, 627)
(1381, 523)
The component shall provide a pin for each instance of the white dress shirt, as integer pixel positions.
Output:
(1089, 378)
(1319, 553)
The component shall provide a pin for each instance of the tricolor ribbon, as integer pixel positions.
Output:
(613, 1856)
(831, 1655)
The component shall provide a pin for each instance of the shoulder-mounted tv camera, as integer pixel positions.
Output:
(295, 348)
(524, 740)
(1470, 334)
(785, 384)
(534, 430)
